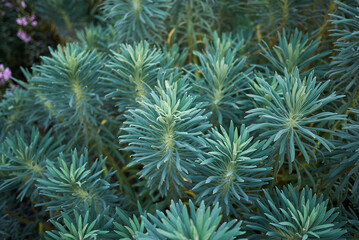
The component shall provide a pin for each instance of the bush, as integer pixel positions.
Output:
(172, 119)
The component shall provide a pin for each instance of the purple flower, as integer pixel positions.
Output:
(5, 74)
(19, 21)
(23, 4)
(9, 5)
(23, 36)
(32, 18)
(22, 21)
(34, 23)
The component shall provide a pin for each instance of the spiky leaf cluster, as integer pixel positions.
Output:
(82, 224)
(127, 228)
(232, 172)
(294, 214)
(89, 222)
(164, 137)
(137, 20)
(67, 15)
(293, 51)
(190, 21)
(95, 37)
(201, 223)
(277, 15)
(24, 160)
(156, 73)
(20, 109)
(345, 160)
(132, 73)
(344, 65)
(223, 80)
(69, 85)
(289, 119)
(75, 182)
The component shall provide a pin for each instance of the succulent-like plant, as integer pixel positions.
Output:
(137, 20)
(345, 160)
(95, 37)
(73, 185)
(289, 116)
(223, 80)
(345, 62)
(279, 14)
(24, 159)
(179, 223)
(294, 214)
(69, 84)
(293, 52)
(132, 73)
(127, 228)
(232, 171)
(187, 108)
(82, 224)
(164, 137)
(20, 109)
(67, 16)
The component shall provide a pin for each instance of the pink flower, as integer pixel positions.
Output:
(34, 23)
(5, 74)
(19, 21)
(9, 5)
(24, 21)
(23, 36)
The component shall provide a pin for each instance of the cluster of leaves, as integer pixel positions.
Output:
(166, 119)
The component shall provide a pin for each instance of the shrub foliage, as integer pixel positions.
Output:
(175, 119)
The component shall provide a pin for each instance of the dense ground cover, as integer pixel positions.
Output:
(172, 119)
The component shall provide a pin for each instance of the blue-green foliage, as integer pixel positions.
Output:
(289, 117)
(69, 86)
(20, 109)
(344, 67)
(127, 227)
(96, 37)
(82, 224)
(75, 182)
(137, 20)
(345, 160)
(291, 214)
(23, 161)
(223, 80)
(232, 171)
(164, 135)
(179, 223)
(132, 73)
(293, 52)
(186, 109)
(67, 15)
